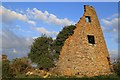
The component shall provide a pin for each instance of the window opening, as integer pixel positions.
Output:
(88, 19)
(91, 39)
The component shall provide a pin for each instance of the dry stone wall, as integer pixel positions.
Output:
(85, 52)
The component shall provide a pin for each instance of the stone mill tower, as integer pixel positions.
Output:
(85, 52)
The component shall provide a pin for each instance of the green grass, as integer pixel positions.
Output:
(104, 77)
(33, 77)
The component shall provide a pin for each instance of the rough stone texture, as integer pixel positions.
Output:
(4, 57)
(79, 57)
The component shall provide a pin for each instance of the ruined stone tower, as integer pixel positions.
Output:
(85, 52)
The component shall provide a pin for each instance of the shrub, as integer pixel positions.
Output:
(41, 52)
(6, 69)
(116, 67)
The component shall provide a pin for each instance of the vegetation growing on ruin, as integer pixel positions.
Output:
(62, 36)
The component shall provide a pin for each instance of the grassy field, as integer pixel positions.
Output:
(32, 77)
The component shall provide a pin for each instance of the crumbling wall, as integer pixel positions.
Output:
(81, 57)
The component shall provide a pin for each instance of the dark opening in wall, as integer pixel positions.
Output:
(91, 39)
(108, 58)
(87, 18)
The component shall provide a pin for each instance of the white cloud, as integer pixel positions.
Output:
(110, 24)
(14, 46)
(31, 22)
(45, 31)
(10, 40)
(49, 18)
(113, 16)
(14, 50)
(18, 28)
(9, 16)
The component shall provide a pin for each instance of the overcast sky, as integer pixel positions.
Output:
(22, 22)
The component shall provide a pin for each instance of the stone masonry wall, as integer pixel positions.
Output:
(78, 56)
